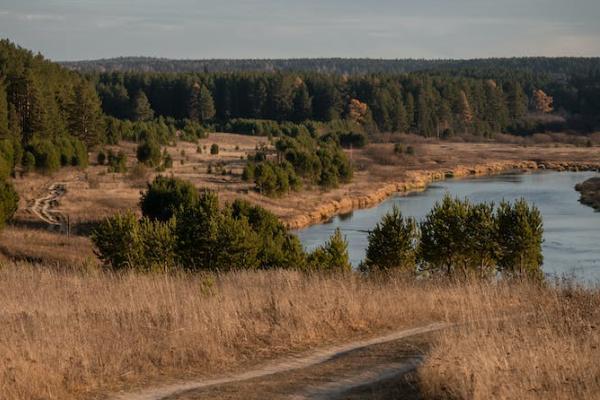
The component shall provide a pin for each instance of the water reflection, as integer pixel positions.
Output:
(572, 230)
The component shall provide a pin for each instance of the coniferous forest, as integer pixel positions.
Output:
(49, 113)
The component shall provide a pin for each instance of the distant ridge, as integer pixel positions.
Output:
(352, 66)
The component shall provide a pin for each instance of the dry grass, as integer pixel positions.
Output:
(550, 354)
(67, 335)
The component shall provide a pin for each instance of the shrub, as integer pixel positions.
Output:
(9, 202)
(277, 248)
(28, 162)
(148, 152)
(392, 243)
(124, 242)
(47, 158)
(117, 241)
(117, 162)
(353, 140)
(164, 196)
(101, 158)
(214, 149)
(332, 256)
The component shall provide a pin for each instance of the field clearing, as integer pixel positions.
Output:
(94, 193)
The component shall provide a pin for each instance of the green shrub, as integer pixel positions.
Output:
(214, 149)
(332, 256)
(47, 158)
(28, 162)
(148, 152)
(101, 158)
(165, 195)
(117, 241)
(117, 162)
(123, 242)
(9, 202)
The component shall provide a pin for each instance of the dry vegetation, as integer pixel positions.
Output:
(94, 193)
(68, 335)
(551, 354)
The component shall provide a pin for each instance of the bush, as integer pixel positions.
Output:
(123, 242)
(117, 162)
(392, 243)
(214, 149)
(9, 202)
(47, 158)
(28, 162)
(148, 152)
(164, 196)
(332, 256)
(199, 235)
(101, 158)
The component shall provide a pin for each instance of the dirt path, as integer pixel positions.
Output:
(339, 373)
(45, 207)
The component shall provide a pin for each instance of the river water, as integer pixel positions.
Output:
(571, 230)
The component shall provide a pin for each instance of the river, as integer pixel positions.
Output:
(571, 230)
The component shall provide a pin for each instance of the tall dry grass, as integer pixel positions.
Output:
(74, 335)
(552, 353)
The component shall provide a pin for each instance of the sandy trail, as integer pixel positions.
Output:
(45, 207)
(320, 356)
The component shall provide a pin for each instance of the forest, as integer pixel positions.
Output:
(50, 114)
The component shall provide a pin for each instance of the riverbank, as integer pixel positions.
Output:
(419, 180)
(590, 192)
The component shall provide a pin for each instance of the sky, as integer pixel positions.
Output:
(65, 30)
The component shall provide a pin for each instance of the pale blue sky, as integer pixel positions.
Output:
(88, 29)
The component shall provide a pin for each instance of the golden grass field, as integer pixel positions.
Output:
(76, 335)
(71, 331)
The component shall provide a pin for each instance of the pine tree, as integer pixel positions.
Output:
(517, 100)
(302, 104)
(84, 114)
(24, 94)
(201, 104)
(141, 110)
(392, 243)
(3, 111)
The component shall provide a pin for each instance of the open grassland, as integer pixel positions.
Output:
(95, 193)
(71, 335)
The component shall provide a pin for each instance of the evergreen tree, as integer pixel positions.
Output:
(141, 110)
(201, 104)
(85, 115)
(4, 126)
(520, 231)
(517, 100)
(332, 256)
(392, 243)
(302, 106)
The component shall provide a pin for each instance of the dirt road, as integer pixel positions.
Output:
(323, 374)
(45, 207)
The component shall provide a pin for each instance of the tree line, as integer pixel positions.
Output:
(183, 227)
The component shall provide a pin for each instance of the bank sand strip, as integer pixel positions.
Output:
(416, 181)
(293, 363)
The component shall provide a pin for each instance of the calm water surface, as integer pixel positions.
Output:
(571, 230)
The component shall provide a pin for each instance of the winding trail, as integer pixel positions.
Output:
(45, 207)
(324, 391)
